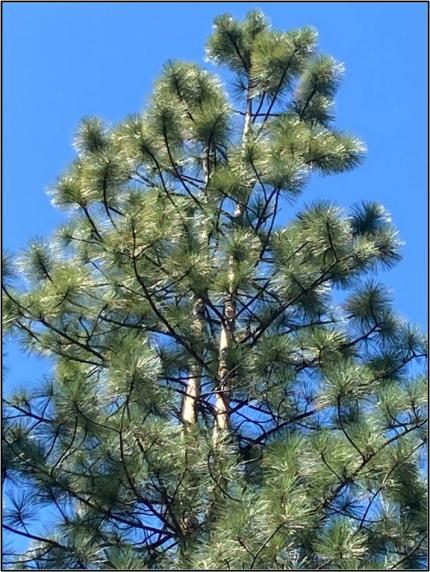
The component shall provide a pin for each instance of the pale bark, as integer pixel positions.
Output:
(190, 401)
(227, 328)
(246, 129)
(189, 409)
(222, 393)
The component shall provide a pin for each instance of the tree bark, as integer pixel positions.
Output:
(222, 393)
(189, 409)
(228, 327)
(190, 401)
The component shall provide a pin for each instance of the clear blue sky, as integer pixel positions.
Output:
(65, 61)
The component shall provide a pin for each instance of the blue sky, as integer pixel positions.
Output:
(65, 61)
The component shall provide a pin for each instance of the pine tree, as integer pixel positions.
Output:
(228, 392)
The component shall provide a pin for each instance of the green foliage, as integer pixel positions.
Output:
(173, 282)
(92, 137)
(341, 546)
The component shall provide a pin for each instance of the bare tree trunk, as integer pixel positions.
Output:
(246, 129)
(191, 399)
(227, 329)
(222, 393)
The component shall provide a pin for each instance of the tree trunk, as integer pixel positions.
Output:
(191, 399)
(227, 330)
(222, 393)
